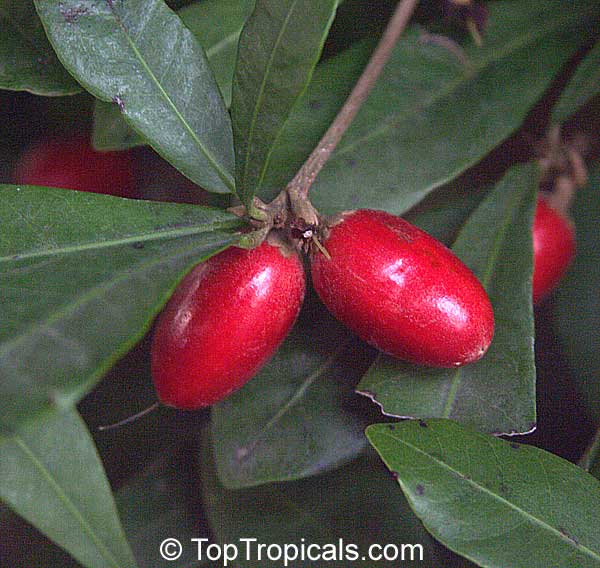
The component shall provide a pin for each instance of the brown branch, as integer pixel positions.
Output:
(299, 187)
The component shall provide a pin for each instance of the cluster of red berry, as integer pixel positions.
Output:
(395, 286)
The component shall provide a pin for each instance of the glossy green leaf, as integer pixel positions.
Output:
(139, 56)
(500, 504)
(81, 277)
(497, 393)
(51, 475)
(584, 85)
(217, 25)
(294, 419)
(434, 112)
(356, 503)
(269, 77)
(577, 300)
(27, 61)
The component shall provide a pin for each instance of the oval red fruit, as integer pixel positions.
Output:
(222, 324)
(72, 163)
(403, 291)
(553, 248)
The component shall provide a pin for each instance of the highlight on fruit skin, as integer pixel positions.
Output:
(224, 322)
(553, 248)
(402, 291)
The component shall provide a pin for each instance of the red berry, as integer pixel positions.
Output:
(72, 163)
(553, 248)
(223, 323)
(403, 291)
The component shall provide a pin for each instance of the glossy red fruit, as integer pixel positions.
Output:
(72, 163)
(403, 291)
(553, 248)
(222, 324)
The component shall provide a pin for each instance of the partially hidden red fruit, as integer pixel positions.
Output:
(403, 291)
(223, 323)
(553, 248)
(72, 163)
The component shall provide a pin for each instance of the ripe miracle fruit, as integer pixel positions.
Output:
(72, 163)
(224, 321)
(402, 291)
(553, 248)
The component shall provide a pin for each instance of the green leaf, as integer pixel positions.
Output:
(217, 25)
(139, 55)
(443, 213)
(269, 77)
(110, 131)
(294, 419)
(432, 114)
(356, 503)
(51, 475)
(27, 61)
(497, 393)
(584, 85)
(577, 301)
(497, 503)
(82, 275)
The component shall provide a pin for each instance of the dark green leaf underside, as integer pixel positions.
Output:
(500, 504)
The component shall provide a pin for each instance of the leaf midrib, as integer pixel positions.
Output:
(476, 68)
(297, 396)
(534, 520)
(261, 93)
(498, 242)
(68, 503)
(168, 234)
(220, 46)
(277, 137)
(223, 175)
